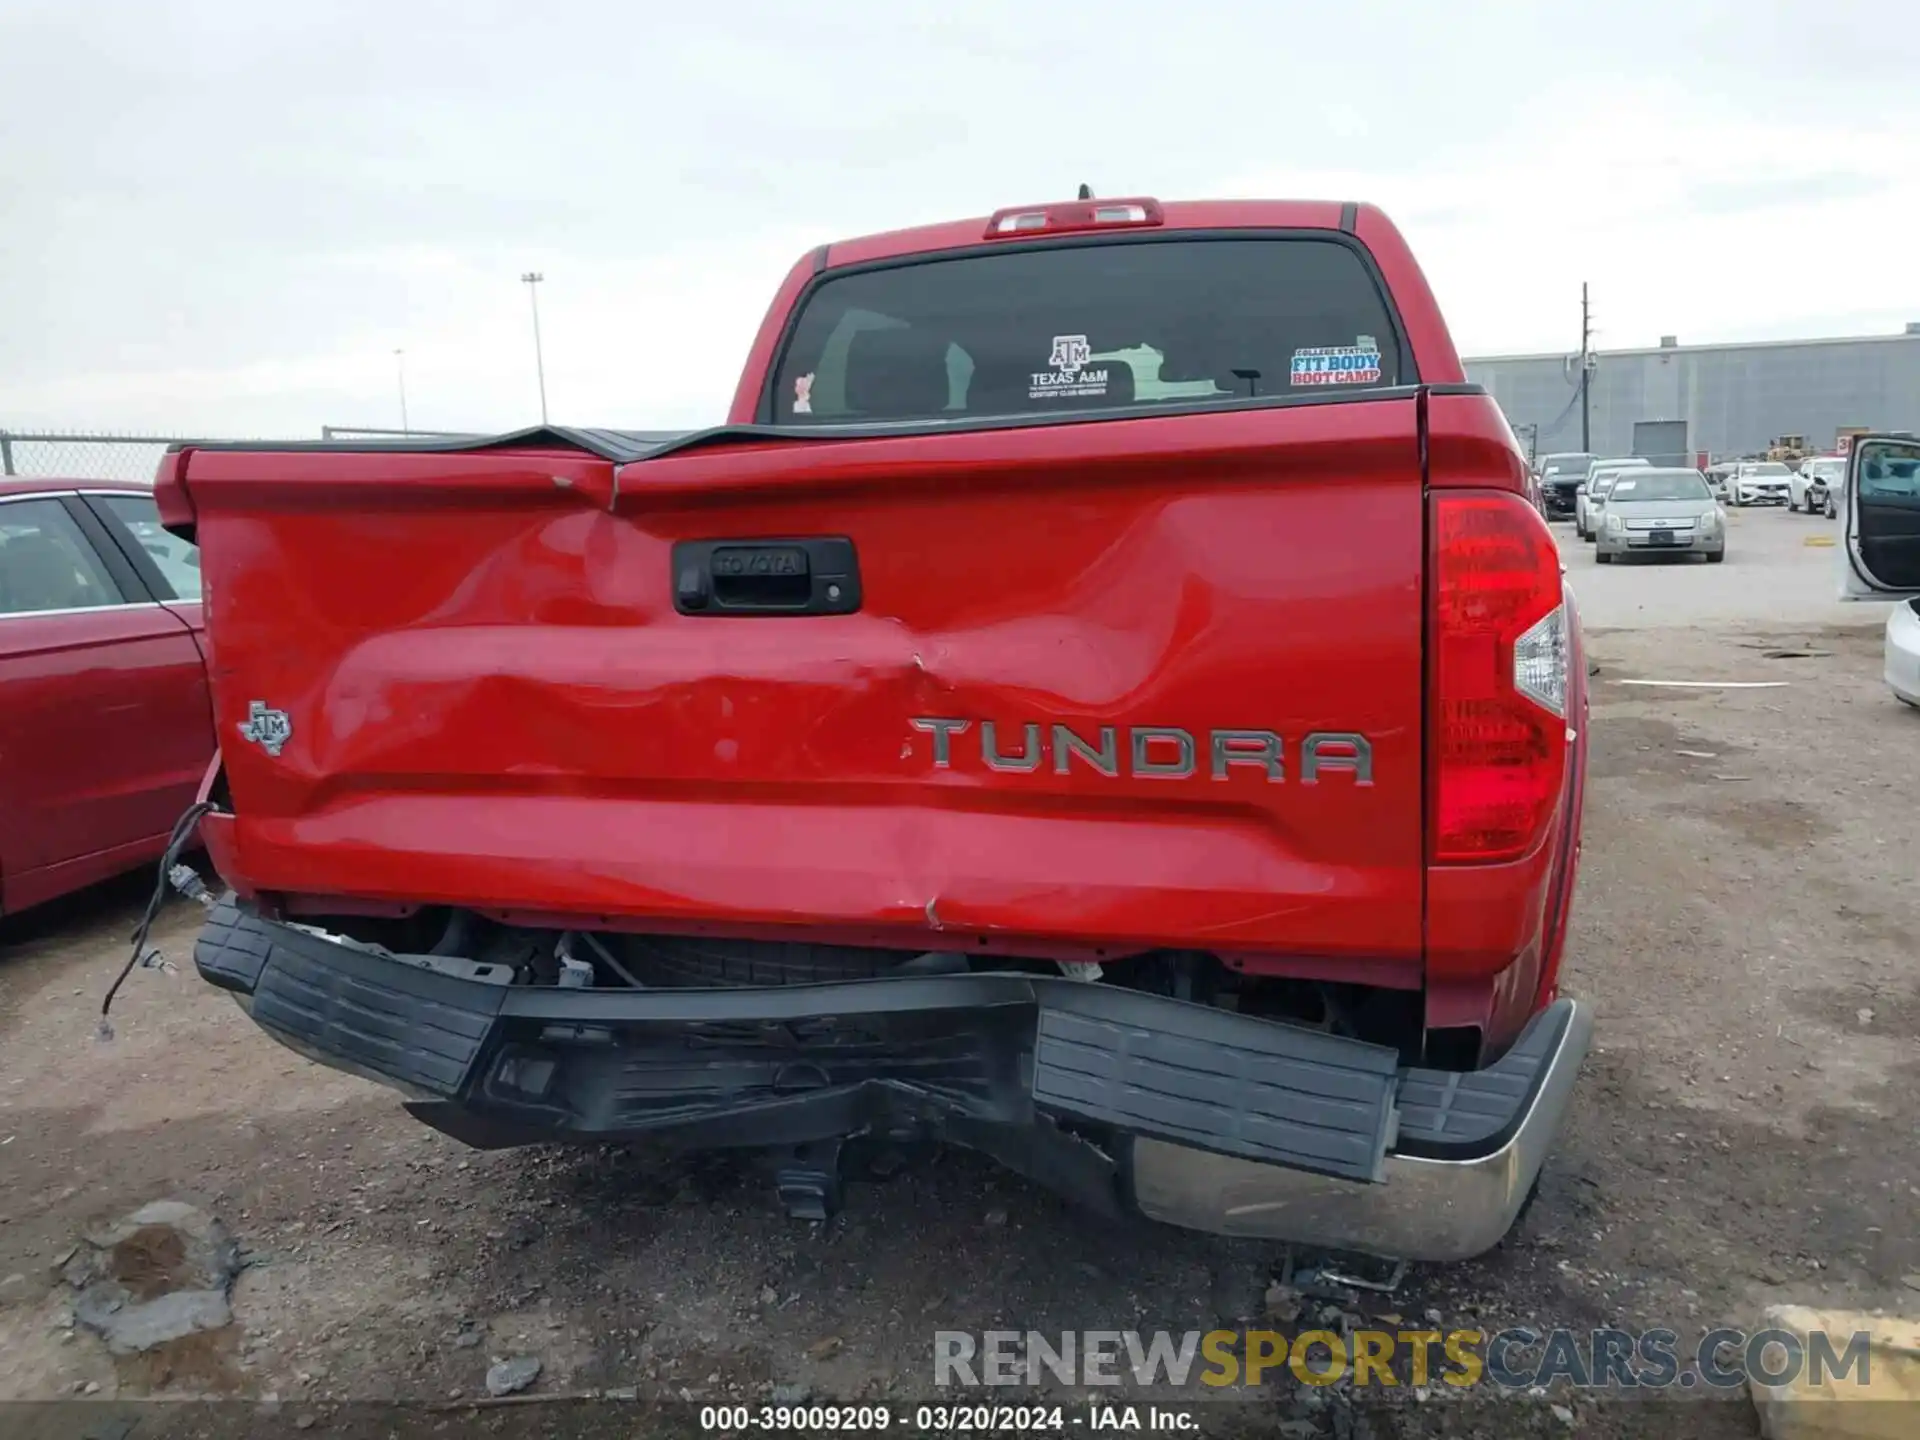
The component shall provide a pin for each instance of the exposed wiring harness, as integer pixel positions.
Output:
(177, 841)
(564, 953)
(600, 949)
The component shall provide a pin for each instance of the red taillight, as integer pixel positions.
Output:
(1498, 679)
(1073, 215)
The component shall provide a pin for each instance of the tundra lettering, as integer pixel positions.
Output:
(1159, 752)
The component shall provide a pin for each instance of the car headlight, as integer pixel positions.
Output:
(1615, 524)
(1710, 520)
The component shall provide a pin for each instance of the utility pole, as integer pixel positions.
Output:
(1586, 372)
(532, 279)
(400, 366)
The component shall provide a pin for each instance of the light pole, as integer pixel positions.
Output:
(531, 280)
(1588, 364)
(400, 368)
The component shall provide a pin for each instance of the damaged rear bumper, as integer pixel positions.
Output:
(1125, 1101)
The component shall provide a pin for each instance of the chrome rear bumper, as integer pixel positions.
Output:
(1428, 1208)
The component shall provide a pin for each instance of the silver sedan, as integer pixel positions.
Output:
(1661, 512)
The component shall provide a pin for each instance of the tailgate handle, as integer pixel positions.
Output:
(812, 575)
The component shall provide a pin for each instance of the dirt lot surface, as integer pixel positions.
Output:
(1747, 929)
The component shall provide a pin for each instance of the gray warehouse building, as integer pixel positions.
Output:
(1735, 398)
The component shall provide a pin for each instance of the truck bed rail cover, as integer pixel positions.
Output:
(619, 446)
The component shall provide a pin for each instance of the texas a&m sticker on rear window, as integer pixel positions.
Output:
(1355, 364)
(1072, 375)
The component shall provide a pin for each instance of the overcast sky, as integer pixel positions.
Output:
(223, 216)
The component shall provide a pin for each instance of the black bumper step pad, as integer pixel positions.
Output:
(1209, 1078)
(416, 1028)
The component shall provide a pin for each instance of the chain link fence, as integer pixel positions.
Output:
(79, 455)
(76, 456)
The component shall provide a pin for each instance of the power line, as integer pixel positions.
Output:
(1553, 426)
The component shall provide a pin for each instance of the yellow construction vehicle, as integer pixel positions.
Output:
(1788, 449)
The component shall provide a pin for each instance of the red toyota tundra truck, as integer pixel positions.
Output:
(1103, 699)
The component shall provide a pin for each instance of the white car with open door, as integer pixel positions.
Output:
(1880, 553)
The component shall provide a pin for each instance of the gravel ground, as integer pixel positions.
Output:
(1746, 925)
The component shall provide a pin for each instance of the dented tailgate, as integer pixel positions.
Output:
(1123, 683)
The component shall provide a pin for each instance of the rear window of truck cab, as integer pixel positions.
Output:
(1060, 329)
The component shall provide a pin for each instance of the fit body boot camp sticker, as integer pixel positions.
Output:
(1355, 364)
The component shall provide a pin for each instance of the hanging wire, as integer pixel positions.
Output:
(177, 841)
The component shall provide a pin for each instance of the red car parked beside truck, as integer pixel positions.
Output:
(1103, 699)
(106, 726)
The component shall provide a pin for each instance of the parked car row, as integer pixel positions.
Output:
(1627, 506)
(1658, 510)
(106, 725)
(1565, 484)
(1600, 477)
